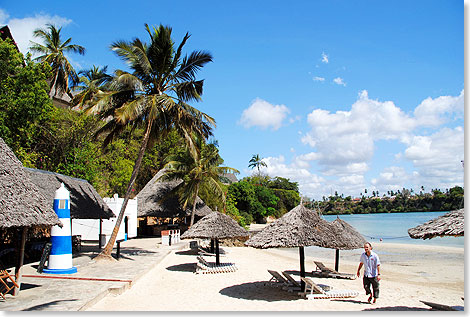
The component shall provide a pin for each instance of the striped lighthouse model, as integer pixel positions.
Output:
(60, 258)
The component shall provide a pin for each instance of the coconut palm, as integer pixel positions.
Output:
(256, 161)
(53, 53)
(198, 169)
(154, 96)
(92, 82)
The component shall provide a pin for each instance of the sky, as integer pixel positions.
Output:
(339, 96)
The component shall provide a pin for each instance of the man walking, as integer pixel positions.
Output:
(371, 262)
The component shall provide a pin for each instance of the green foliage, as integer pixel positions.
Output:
(24, 103)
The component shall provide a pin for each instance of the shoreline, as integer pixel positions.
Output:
(172, 285)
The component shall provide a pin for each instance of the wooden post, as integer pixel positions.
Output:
(302, 267)
(20, 261)
(217, 252)
(99, 234)
(337, 261)
(212, 246)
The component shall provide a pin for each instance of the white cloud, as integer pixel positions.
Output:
(339, 81)
(435, 112)
(391, 178)
(264, 115)
(437, 157)
(316, 78)
(324, 58)
(22, 29)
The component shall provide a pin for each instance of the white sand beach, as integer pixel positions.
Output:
(410, 273)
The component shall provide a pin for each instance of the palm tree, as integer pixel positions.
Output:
(54, 51)
(93, 81)
(197, 169)
(154, 96)
(256, 161)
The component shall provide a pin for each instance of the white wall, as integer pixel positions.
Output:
(89, 228)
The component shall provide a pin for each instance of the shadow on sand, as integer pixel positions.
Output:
(188, 252)
(397, 308)
(185, 267)
(258, 291)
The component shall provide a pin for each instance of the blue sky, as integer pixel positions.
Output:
(335, 95)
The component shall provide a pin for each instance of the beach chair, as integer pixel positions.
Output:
(322, 271)
(205, 267)
(295, 285)
(203, 251)
(5, 288)
(277, 279)
(314, 291)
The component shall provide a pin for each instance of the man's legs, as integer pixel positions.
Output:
(366, 282)
(375, 288)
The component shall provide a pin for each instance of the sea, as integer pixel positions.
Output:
(393, 227)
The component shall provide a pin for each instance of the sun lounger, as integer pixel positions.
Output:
(205, 267)
(291, 280)
(314, 291)
(323, 271)
(4, 286)
(278, 280)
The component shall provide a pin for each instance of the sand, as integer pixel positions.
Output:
(410, 273)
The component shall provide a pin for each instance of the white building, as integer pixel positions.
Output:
(89, 229)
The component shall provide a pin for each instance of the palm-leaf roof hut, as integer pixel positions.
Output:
(215, 226)
(300, 227)
(85, 202)
(450, 224)
(350, 239)
(156, 199)
(22, 204)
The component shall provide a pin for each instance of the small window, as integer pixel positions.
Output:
(62, 203)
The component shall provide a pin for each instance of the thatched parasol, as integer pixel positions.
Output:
(300, 227)
(215, 226)
(450, 224)
(156, 200)
(349, 239)
(85, 202)
(22, 203)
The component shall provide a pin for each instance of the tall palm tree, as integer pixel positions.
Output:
(197, 169)
(256, 161)
(92, 82)
(154, 96)
(54, 51)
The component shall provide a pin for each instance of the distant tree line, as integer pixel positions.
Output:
(404, 200)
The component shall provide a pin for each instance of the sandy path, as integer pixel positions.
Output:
(409, 274)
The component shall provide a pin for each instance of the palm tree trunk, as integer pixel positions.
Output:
(106, 253)
(193, 212)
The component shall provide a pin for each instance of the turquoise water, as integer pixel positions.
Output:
(393, 227)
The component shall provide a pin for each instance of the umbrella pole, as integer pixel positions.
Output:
(337, 261)
(217, 256)
(302, 267)
(212, 245)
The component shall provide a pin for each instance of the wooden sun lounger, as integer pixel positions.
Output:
(4, 287)
(317, 292)
(205, 267)
(323, 271)
(277, 279)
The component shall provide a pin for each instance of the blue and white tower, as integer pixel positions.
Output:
(60, 258)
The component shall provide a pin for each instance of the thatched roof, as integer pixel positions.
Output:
(22, 203)
(298, 228)
(450, 224)
(85, 202)
(215, 225)
(350, 238)
(228, 178)
(155, 200)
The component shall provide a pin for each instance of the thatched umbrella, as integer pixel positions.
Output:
(349, 239)
(157, 200)
(300, 227)
(22, 205)
(450, 224)
(215, 226)
(85, 202)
